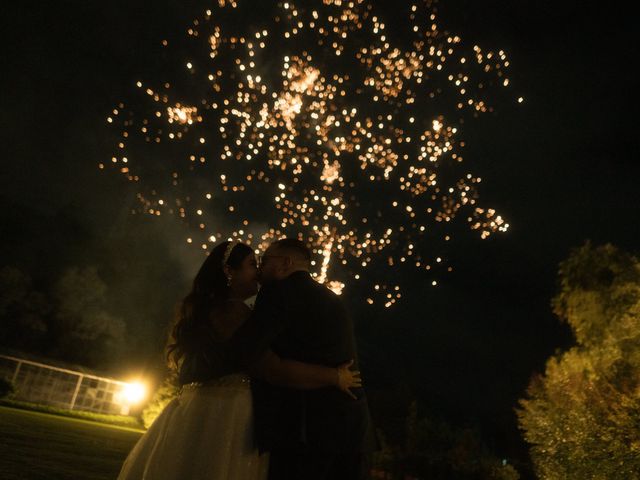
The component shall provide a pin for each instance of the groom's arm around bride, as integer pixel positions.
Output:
(321, 433)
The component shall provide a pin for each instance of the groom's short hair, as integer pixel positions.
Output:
(293, 247)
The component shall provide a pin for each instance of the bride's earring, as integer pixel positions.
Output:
(229, 281)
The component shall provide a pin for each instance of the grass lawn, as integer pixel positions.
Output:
(37, 445)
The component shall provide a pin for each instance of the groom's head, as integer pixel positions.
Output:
(282, 258)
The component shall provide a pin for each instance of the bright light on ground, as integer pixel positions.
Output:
(134, 392)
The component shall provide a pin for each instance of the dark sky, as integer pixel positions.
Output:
(562, 168)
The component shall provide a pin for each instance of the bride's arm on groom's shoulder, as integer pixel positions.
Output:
(306, 376)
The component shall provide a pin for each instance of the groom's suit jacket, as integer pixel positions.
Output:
(302, 320)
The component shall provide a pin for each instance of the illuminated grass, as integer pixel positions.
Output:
(36, 445)
(119, 420)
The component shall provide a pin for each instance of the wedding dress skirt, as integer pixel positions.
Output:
(204, 433)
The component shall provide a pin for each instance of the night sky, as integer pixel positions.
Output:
(562, 168)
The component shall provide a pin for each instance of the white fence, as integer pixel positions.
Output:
(59, 387)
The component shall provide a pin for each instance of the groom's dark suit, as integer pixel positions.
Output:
(310, 433)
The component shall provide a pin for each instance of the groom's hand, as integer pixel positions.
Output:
(348, 379)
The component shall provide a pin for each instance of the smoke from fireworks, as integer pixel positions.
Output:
(316, 120)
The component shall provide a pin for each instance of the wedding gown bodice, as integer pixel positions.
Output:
(214, 357)
(206, 433)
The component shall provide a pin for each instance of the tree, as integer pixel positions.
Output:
(84, 330)
(582, 416)
(417, 445)
(23, 310)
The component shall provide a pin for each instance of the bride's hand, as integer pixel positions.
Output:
(348, 379)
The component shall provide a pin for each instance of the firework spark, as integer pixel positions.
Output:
(318, 123)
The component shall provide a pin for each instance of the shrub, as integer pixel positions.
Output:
(581, 417)
(7, 389)
(167, 392)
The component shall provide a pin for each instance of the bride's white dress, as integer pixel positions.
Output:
(204, 433)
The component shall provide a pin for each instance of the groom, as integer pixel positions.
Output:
(312, 434)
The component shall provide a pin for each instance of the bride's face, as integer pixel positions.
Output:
(245, 277)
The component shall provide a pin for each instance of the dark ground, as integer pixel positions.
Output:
(38, 446)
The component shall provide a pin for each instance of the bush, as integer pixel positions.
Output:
(7, 389)
(582, 416)
(434, 449)
(167, 392)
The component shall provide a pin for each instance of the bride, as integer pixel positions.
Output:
(207, 431)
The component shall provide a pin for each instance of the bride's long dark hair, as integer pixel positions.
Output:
(209, 291)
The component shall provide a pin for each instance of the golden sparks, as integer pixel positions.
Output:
(321, 124)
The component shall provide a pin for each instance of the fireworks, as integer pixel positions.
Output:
(316, 120)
